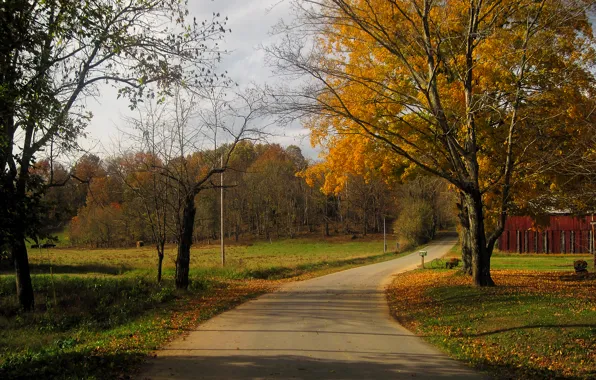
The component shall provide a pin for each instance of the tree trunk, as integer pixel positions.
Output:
(464, 236)
(466, 251)
(480, 252)
(23, 275)
(160, 255)
(184, 243)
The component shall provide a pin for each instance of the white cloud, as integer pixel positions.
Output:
(250, 22)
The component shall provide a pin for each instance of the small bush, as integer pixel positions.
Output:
(5, 258)
(452, 263)
(580, 266)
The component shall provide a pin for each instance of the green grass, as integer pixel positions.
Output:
(531, 261)
(539, 322)
(539, 262)
(101, 311)
(260, 255)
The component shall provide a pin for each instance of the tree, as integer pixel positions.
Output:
(274, 190)
(54, 53)
(148, 193)
(56, 201)
(470, 91)
(87, 167)
(143, 174)
(203, 129)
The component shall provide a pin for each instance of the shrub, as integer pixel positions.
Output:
(580, 266)
(5, 258)
(415, 224)
(452, 263)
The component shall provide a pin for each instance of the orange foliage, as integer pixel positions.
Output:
(377, 108)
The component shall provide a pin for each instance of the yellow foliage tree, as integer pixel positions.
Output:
(472, 91)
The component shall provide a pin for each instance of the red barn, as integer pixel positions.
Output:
(564, 234)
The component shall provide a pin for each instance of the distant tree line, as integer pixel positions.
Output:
(103, 201)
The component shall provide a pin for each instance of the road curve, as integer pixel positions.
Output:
(332, 327)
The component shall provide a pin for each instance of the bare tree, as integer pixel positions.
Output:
(199, 134)
(141, 171)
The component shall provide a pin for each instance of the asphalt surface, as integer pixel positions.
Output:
(332, 327)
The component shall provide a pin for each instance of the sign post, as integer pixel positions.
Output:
(422, 254)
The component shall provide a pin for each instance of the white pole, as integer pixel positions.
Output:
(384, 237)
(593, 243)
(221, 232)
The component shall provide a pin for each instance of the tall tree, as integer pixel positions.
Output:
(467, 90)
(53, 54)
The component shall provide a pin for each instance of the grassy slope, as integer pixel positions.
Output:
(108, 313)
(539, 322)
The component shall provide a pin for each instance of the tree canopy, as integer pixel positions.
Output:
(475, 92)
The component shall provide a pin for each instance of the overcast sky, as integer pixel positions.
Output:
(251, 22)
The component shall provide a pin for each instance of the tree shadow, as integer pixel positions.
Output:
(527, 371)
(72, 269)
(72, 365)
(301, 364)
(546, 326)
(578, 277)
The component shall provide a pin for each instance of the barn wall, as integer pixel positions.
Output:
(564, 234)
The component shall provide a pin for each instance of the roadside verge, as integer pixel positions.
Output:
(534, 324)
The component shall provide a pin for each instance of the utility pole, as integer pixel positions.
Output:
(593, 243)
(384, 236)
(221, 230)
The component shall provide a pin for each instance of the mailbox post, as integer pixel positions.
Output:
(422, 254)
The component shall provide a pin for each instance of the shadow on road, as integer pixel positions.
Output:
(267, 365)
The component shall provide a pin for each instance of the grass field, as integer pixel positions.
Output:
(539, 322)
(241, 260)
(100, 311)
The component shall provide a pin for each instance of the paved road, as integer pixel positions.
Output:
(332, 327)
